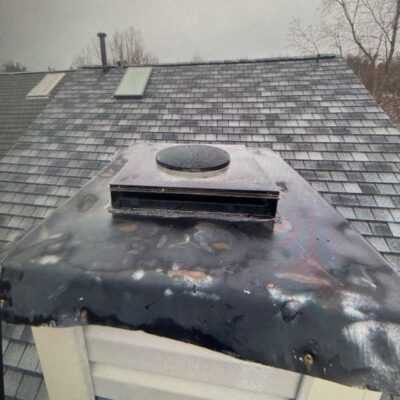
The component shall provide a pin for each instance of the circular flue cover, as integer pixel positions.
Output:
(193, 158)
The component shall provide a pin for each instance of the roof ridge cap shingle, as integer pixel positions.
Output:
(221, 62)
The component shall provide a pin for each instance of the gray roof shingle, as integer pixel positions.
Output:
(16, 112)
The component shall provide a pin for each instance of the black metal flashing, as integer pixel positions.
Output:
(308, 287)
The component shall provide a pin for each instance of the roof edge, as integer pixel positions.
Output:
(238, 61)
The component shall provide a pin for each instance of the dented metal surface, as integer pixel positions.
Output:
(308, 294)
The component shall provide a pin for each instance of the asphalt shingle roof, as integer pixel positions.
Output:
(21, 362)
(316, 115)
(16, 112)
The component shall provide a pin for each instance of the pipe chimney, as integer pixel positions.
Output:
(102, 37)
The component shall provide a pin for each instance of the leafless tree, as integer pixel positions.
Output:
(369, 27)
(365, 32)
(306, 38)
(125, 46)
(11, 66)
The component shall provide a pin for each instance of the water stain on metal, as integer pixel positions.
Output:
(163, 240)
(282, 186)
(86, 202)
(282, 225)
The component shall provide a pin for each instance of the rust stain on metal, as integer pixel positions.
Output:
(195, 276)
(308, 360)
(282, 225)
(307, 279)
(221, 246)
(84, 315)
(127, 227)
(270, 285)
(313, 263)
(205, 225)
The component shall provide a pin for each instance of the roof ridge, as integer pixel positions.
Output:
(35, 72)
(187, 63)
(235, 61)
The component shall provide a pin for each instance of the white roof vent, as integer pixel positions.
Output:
(43, 89)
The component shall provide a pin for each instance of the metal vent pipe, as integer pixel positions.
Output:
(102, 37)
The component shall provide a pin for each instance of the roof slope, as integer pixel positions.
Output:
(316, 115)
(16, 112)
(23, 378)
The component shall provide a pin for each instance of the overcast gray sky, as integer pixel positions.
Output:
(42, 33)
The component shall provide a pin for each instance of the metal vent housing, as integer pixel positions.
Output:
(223, 182)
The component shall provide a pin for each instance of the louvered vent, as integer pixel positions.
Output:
(194, 180)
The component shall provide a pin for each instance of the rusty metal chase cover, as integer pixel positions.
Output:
(308, 288)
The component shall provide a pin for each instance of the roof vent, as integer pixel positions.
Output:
(43, 89)
(103, 52)
(194, 180)
(134, 83)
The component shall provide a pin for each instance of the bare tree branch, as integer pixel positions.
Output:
(395, 28)
(125, 46)
(306, 38)
(366, 33)
(352, 23)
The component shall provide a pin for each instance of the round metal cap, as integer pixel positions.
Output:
(193, 158)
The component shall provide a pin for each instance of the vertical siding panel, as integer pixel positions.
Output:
(65, 365)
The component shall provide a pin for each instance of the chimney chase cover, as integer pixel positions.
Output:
(271, 296)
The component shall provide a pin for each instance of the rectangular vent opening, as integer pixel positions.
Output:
(133, 83)
(260, 206)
